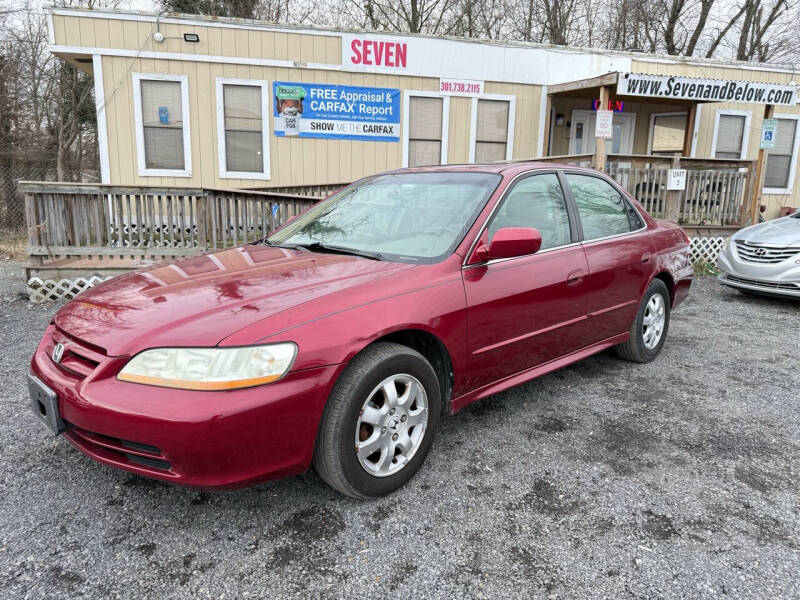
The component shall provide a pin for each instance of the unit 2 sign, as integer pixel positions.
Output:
(676, 179)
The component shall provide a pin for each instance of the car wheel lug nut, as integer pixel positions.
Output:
(394, 437)
(391, 411)
(383, 429)
(404, 418)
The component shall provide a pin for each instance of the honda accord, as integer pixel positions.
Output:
(340, 340)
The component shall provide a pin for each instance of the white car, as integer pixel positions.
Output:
(764, 258)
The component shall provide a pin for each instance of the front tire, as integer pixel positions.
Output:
(649, 329)
(379, 422)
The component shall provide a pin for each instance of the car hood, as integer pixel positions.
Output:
(780, 232)
(201, 300)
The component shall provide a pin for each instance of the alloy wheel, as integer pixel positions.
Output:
(391, 425)
(653, 322)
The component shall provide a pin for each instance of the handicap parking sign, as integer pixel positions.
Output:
(768, 130)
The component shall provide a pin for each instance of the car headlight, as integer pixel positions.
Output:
(210, 369)
(727, 243)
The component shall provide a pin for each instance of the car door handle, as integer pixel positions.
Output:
(575, 277)
(646, 259)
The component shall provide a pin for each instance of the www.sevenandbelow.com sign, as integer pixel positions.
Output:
(341, 112)
(705, 90)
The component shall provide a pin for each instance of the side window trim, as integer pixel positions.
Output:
(575, 225)
(617, 188)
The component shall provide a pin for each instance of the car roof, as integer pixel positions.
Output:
(511, 167)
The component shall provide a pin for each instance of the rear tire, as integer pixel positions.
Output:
(379, 422)
(649, 329)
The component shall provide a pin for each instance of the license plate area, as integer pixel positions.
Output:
(44, 403)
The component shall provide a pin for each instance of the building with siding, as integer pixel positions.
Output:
(209, 102)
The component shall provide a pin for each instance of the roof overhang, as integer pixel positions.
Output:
(673, 89)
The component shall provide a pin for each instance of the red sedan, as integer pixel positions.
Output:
(339, 341)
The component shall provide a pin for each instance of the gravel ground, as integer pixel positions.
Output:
(606, 479)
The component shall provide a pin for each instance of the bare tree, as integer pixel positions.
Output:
(759, 18)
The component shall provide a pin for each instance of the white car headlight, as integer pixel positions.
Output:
(210, 369)
(727, 243)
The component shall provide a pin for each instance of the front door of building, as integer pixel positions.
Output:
(582, 140)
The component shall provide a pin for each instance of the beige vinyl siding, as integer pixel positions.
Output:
(458, 131)
(214, 41)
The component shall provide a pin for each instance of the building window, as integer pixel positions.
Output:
(242, 108)
(667, 133)
(779, 172)
(161, 110)
(425, 129)
(492, 129)
(730, 134)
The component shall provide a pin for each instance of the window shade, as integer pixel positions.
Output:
(162, 118)
(243, 128)
(668, 133)
(425, 118)
(423, 153)
(424, 131)
(779, 159)
(492, 121)
(489, 151)
(730, 132)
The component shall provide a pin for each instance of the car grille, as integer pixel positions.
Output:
(78, 359)
(771, 285)
(765, 254)
(135, 453)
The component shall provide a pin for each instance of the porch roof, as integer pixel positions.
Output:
(590, 88)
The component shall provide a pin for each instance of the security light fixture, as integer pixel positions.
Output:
(191, 37)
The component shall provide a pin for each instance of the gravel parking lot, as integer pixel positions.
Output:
(606, 479)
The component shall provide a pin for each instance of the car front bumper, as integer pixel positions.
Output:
(779, 279)
(207, 439)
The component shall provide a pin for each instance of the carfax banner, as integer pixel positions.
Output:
(341, 112)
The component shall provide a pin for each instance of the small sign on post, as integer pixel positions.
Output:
(676, 180)
(604, 125)
(769, 128)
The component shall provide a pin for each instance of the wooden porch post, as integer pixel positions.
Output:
(769, 112)
(600, 149)
(547, 125)
(673, 205)
(688, 135)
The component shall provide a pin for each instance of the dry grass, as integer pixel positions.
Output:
(12, 243)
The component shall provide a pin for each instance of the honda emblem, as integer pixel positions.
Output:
(58, 352)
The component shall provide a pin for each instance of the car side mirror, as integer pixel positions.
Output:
(509, 242)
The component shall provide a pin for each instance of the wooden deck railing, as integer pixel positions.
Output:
(718, 192)
(79, 223)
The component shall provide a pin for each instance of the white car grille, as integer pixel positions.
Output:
(765, 254)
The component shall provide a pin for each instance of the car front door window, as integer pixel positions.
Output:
(537, 202)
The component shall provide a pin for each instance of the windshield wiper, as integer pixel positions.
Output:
(322, 247)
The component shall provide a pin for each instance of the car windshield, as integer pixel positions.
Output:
(417, 217)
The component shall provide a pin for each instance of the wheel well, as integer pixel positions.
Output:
(434, 351)
(669, 282)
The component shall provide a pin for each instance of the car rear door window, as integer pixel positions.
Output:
(539, 202)
(602, 208)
